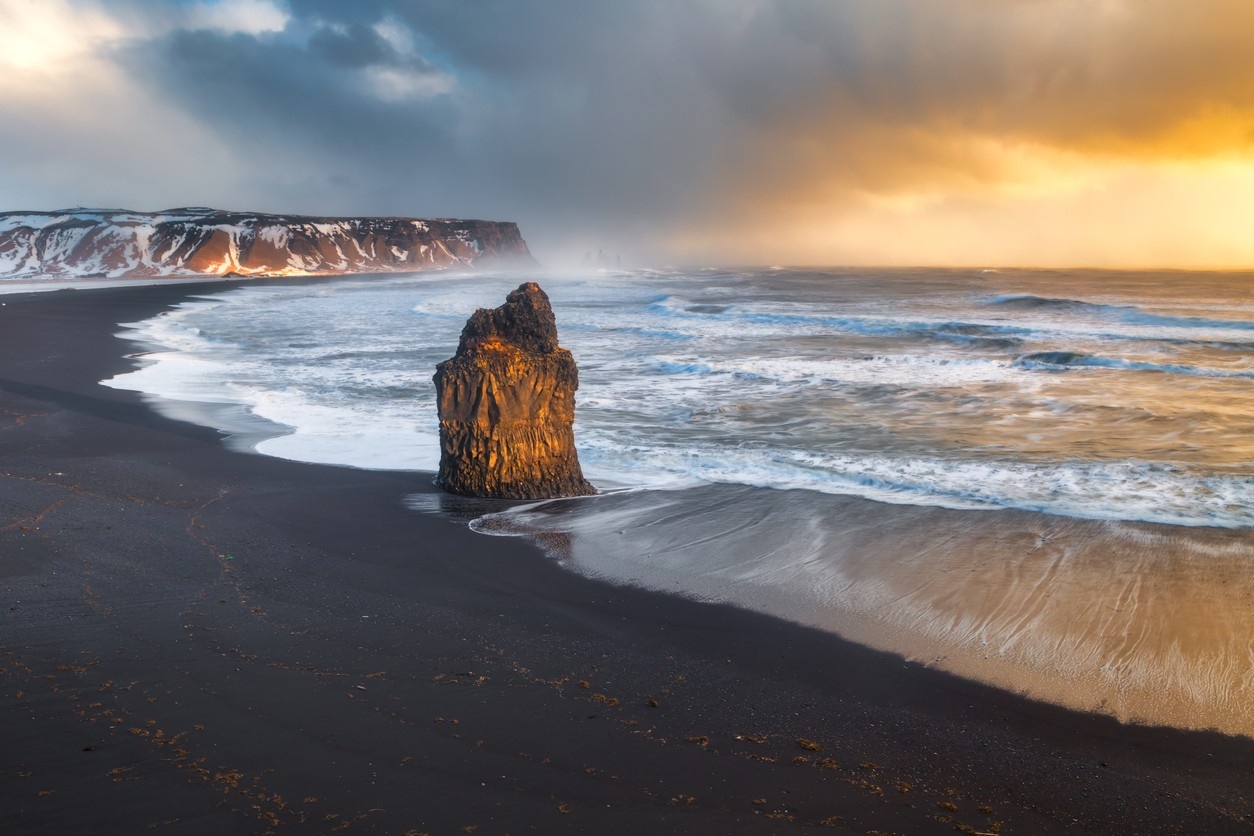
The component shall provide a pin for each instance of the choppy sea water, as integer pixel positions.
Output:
(1041, 479)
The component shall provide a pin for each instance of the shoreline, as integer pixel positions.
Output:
(1145, 623)
(205, 639)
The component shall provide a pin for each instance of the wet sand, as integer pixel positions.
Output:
(1145, 622)
(200, 640)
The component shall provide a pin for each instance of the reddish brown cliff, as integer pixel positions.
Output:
(506, 402)
(198, 242)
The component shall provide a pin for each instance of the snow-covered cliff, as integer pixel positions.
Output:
(114, 243)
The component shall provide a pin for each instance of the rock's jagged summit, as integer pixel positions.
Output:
(506, 403)
(115, 243)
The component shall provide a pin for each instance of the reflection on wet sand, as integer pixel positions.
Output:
(1149, 623)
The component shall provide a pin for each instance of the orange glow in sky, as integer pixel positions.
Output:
(1113, 133)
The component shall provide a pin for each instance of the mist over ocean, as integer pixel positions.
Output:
(1041, 479)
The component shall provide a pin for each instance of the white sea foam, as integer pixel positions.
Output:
(902, 370)
(913, 400)
(1093, 490)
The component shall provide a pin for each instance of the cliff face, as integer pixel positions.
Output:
(196, 242)
(506, 403)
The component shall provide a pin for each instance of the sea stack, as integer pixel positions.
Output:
(506, 403)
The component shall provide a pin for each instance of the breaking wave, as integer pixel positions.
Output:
(1123, 313)
(912, 398)
(1063, 360)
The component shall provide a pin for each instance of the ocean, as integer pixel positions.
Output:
(1043, 480)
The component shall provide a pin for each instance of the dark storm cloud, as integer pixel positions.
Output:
(627, 121)
(341, 11)
(359, 46)
(551, 108)
(307, 96)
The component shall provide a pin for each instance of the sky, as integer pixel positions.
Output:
(836, 132)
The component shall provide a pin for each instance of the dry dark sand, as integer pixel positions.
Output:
(202, 641)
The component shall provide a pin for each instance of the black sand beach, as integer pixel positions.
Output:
(197, 640)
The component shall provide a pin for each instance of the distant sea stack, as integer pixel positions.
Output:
(109, 243)
(506, 403)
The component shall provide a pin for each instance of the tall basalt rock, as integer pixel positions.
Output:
(506, 403)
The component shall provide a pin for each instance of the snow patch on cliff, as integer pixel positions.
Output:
(200, 241)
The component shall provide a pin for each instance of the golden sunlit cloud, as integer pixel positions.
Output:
(96, 127)
(47, 36)
(52, 36)
(1039, 132)
(1135, 215)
